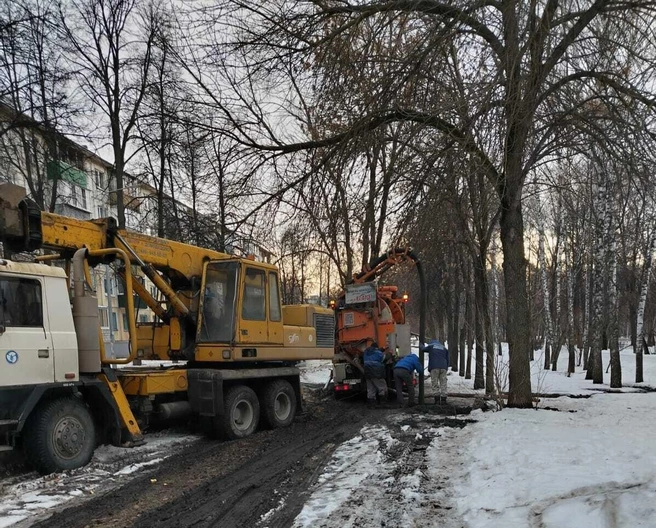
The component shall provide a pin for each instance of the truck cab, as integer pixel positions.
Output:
(37, 335)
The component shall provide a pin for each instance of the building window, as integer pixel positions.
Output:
(104, 321)
(143, 318)
(125, 322)
(83, 198)
(114, 322)
(100, 180)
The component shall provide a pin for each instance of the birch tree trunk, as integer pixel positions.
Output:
(571, 344)
(469, 316)
(600, 280)
(548, 325)
(613, 322)
(462, 318)
(559, 332)
(646, 276)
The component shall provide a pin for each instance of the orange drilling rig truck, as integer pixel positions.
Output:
(366, 312)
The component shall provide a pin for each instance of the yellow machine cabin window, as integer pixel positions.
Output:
(254, 304)
(20, 303)
(274, 298)
(218, 320)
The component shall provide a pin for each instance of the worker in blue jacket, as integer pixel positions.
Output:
(438, 365)
(374, 373)
(403, 373)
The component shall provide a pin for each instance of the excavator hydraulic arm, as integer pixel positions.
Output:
(23, 227)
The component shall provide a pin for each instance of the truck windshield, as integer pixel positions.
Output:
(218, 319)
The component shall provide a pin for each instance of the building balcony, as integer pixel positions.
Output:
(72, 211)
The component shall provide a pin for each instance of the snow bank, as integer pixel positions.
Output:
(590, 468)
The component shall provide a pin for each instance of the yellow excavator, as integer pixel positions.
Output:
(218, 316)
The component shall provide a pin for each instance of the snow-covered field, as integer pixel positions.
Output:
(589, 465)
(587, 461)
(25, 496)
(550, 382)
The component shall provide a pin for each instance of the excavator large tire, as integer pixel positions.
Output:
(278, 404)
(241, 414)
(59, 435)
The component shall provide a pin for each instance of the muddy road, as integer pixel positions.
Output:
(261, 480)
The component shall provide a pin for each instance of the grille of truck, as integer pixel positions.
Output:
(325, 327)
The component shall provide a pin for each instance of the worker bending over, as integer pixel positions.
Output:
(403, 373)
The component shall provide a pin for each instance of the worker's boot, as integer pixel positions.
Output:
(371, 403)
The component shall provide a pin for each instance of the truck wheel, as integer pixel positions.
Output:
(279, 404)
(59, 435)
(242, 413)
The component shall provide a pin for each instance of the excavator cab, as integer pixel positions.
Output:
(240, 304)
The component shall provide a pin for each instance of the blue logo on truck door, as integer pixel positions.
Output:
(12, 357)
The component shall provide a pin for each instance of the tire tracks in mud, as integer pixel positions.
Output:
(265, 477)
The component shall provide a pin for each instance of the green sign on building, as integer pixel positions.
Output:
(63, 171)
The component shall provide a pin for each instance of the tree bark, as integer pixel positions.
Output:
(644, 289)
(613, 326)
(571, 341)
(453, 326)
(600, 279)
(546, 301)
(463, 338)
(469, 316)
(517, 314)
(479, 380)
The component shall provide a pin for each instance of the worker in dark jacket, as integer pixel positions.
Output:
(403, 373)
(438, 365)
(374, 373)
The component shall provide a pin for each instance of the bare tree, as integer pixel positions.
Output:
(111, 44)
(34, 81)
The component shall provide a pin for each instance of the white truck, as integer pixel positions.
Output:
(43, 399)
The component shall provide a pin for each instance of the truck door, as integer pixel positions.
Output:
(25, 351)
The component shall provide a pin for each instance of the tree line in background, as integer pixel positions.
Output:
(510, 143)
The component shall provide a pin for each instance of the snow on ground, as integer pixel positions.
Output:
(582, 462)
(590, 467)
(389, 475)
(316, 371)
(28, 495)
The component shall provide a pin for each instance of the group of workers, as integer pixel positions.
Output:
(375, 361)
